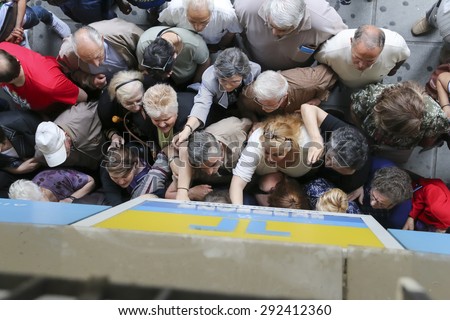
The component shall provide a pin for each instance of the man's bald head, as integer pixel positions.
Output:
(88, 45)
(367, 45)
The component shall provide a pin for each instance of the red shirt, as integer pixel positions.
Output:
(431, 203)
(45, 84)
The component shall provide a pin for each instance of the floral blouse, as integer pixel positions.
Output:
(434, 122)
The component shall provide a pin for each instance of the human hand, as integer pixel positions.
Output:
(409, 225)
(99, 81)
(357, 194)
(181, 137)
(116, 141)
(199, 192)
(16, 35)
(315, 152)
(28, 166)
(66, 200)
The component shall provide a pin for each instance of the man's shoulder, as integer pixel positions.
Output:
(116, 26)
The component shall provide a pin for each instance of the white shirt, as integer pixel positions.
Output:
(223, 20)
(252, 158)
(337, 53)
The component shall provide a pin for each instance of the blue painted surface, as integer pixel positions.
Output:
(431, 242)
(52, 213)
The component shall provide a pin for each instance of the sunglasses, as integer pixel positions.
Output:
(166, 68)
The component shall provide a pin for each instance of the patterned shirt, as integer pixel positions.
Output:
(434, 122)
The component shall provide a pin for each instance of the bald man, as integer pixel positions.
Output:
(94, 53)
(214, 20)
(364, 55)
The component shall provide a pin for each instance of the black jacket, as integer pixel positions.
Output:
(20, 128)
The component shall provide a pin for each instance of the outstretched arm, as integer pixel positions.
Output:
(312, 118)
(237, 190)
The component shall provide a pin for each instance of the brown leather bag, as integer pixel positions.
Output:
(430, 87)
(10, 21)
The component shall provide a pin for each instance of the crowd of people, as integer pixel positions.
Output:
(221, 101)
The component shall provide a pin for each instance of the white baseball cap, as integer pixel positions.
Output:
(50, 140)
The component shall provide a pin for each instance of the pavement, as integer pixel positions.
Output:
(396, 15)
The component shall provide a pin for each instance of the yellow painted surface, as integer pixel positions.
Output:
(298, 232)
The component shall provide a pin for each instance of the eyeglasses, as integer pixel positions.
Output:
(268, 107)
(166, 68)
(380, 202)
(272, 136)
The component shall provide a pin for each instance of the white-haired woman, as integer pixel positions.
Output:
(54, 185)
(124, 95)
(221, 86)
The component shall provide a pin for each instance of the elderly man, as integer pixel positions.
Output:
(175, 52)
(285, 91)
(35, 82)
(214, 20)
(74, 139)
(94, 53)
(364, 55)
(284, 34)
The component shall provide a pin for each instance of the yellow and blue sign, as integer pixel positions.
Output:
(218, 220)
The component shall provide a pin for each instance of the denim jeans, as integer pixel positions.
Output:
(36, 14)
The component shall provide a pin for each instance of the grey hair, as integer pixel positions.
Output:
(230, 62)
(201, 146)
(349, 147)
(198, 4)
(270, 85)
(394, 183)
(160, 99)
(284, 14)
(84, 33)
(125, 92)
(25, 190)
(371, 36)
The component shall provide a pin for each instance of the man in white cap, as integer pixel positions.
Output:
(74, 139)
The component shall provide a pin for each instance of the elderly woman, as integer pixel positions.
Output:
(168, 111)
(280, 144)
(54, 185)
(210, 157)
(124, 95)
(221, 86)
(400, 116)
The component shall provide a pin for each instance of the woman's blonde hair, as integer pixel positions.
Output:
(285, 130)
(121, 84)
(400, 108)
(333, 200)
(161, 99)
